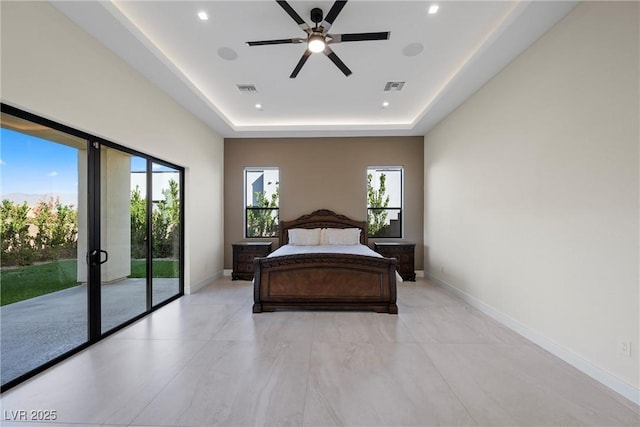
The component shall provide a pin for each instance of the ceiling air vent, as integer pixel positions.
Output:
(393, 86)
(246, 88)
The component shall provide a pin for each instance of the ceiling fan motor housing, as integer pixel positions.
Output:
(316, 15)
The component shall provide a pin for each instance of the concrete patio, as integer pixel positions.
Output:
(36, 330)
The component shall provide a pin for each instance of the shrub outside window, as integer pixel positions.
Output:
(384, 201)
(261, 202)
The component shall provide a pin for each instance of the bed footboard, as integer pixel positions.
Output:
(325, 281)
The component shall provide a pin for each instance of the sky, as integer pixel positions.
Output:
(32, 165)
(393, 184)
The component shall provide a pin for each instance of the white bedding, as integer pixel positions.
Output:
(337, 249)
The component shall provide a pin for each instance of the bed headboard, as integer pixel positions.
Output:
(322, 218)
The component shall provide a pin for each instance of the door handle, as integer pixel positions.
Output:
(93, 257)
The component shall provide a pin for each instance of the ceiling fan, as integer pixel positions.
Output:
(318, 38)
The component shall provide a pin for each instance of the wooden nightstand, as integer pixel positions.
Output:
(243, 255)
(403, 252)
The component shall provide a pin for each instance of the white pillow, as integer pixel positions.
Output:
(304, 236)
(343, 236)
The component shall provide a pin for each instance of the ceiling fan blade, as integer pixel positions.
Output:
(279, 41)
(292, 13)
(332, 15)
(334, 58)
(358, 37)
(303, 59)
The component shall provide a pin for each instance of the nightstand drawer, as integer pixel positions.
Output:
(403, 252)
(243, 256)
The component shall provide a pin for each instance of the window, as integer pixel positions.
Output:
(384, 201)
(261, 201)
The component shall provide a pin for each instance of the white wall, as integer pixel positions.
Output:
(52, 68)
(531, 193)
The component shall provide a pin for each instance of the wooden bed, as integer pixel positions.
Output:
(324, 281)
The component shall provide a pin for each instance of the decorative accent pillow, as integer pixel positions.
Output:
(343, 236)
(304, 236)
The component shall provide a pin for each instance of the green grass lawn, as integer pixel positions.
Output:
(17, 284)
(161, 268)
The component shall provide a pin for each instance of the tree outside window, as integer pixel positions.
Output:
(261, 202)
(384, 201)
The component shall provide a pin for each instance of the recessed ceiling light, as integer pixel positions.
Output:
(203, 16)
(433, 9)
(385, 104)
(258, 106)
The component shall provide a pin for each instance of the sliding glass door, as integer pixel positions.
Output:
(166, 232)
(43, 311)
(91, 240)
(123, 226)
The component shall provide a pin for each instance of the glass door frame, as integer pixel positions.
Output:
(94, 221)
(94, 333)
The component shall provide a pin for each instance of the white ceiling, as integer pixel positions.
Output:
(463, 45)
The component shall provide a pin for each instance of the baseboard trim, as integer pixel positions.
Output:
(195, 287)
(616, 384)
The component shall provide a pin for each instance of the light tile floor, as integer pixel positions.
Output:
(36, 330)
(207, 360)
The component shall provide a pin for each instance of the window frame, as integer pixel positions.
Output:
(246, 209)
(399, 209)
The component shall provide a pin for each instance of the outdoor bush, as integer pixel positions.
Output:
(57, 230)
(17, 247)
(261, 222)
(165, 223)
(49, 231)
(138, 224)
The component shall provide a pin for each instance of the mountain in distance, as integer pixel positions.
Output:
(33, 199)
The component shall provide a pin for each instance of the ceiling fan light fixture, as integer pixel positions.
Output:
(316, 43)
(319, 38)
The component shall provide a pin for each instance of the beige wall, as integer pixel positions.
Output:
(318, 173)
(531, 193)
(52, 68)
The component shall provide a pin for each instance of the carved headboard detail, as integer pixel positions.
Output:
(322, 218)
